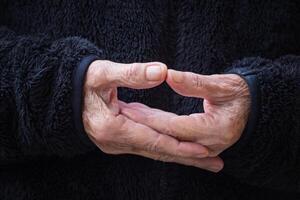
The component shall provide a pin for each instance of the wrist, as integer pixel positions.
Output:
(79, 79)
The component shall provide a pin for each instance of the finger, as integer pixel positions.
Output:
(142, 113)
(124, 104)
(190, 128)
(213, 164)
(195, 85)
(143, 138)
(133, 75)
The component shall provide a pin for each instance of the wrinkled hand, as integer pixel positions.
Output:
(115, 133)
(226, 105)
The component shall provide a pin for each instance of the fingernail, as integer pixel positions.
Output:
(153, 73)
(176, 76)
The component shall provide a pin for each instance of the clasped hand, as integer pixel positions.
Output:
(196, 140)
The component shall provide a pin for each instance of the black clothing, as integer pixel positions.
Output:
(46, 46)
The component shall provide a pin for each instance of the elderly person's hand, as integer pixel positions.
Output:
(226, 105)
(114, 133)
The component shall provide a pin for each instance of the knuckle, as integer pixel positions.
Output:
(155, 147)
(168, 130)
(131, 73)
(197, 81)
(224, 86)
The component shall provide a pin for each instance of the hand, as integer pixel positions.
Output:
(226, 105)
(114, 133)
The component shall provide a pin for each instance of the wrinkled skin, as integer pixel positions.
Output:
(132, 128)
(226, 105)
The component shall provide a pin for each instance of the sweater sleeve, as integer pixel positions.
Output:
(40, 95)
(268, 152)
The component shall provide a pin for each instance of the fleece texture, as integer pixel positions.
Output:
(46, 46)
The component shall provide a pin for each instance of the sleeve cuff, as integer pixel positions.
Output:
(77, 97)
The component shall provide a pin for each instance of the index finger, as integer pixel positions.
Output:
(187, 127)
(144, 138)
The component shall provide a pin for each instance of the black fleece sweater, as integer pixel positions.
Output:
(46, 46)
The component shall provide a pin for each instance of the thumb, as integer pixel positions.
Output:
(133, 75)
(195, 85)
